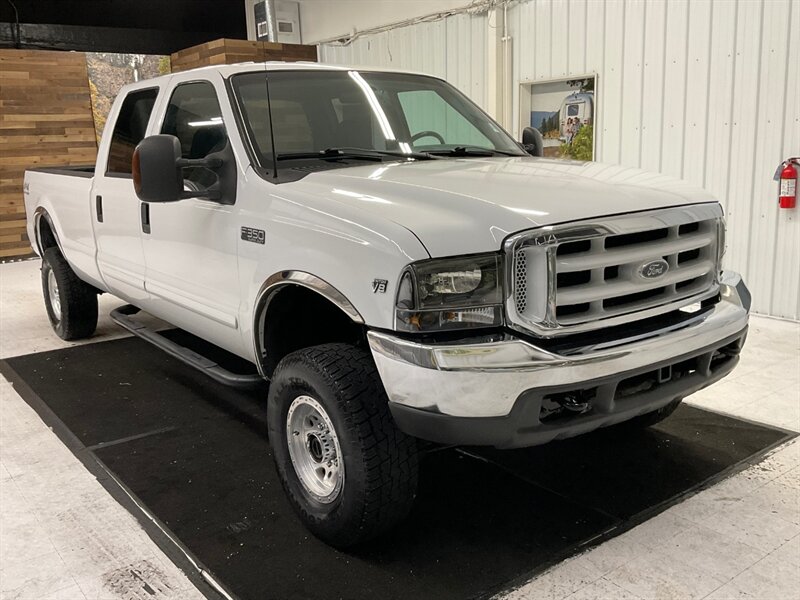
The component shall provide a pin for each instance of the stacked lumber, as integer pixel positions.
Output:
(228, 52)
(45, 120)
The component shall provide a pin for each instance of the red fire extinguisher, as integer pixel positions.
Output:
(787, 172)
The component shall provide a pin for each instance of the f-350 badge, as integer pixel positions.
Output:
(257, 236)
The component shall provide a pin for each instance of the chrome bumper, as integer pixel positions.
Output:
(485, 379)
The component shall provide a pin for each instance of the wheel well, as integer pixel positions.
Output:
(47, 239)
(296, 317)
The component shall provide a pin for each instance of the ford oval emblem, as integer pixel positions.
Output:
(654, 269)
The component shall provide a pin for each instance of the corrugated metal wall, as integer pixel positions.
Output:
(454, 49)
(704, 90)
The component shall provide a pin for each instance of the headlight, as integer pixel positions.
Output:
(451, 293)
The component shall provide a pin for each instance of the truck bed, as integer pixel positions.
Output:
(71, 170)
(63, 194)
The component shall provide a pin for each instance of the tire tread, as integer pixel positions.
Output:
(78, 299)
(390, 457)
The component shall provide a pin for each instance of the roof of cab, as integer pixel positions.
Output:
(249, 67)
(228, 70)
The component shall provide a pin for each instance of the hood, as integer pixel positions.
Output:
(464, 206)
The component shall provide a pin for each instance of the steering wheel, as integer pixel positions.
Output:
(422, 134)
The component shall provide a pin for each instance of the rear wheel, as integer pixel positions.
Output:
(349, 473)
(71, 303)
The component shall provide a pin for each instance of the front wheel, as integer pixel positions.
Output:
(349, 473)
(71, 303)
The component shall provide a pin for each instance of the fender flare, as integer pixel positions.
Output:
(39, 214)
(277, 281)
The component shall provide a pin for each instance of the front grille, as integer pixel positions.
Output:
(575, 275)
(520, 274)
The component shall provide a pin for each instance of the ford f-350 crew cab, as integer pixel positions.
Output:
(395, 264)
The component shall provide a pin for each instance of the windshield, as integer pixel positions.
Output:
(313, 112)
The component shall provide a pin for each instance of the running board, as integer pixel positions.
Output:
(122, 316)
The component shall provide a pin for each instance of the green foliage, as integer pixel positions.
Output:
(98, 114)
(581, 146)
(550, 124)
(164, 65)
(585, 85)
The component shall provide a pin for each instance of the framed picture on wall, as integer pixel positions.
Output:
(563, 111)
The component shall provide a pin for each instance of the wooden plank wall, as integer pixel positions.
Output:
(226, 52)
(45, 119)
(46, 115)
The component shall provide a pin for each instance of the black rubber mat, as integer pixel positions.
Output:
(196, 455)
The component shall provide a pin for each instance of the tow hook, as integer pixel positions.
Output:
(566, 403)
(576, 403)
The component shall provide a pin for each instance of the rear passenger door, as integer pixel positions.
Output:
(114, 205)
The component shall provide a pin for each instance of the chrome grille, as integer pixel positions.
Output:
(584, 276)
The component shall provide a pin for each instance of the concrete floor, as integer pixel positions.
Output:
(63, 536)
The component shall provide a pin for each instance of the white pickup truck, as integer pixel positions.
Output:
(395, 264)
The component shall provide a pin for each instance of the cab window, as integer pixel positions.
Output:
(194, 117)
(129, 129)
(432, 120)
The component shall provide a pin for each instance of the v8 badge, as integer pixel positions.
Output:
(379, 286)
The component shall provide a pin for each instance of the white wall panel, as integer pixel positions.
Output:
(453, 48)
(769, 131)
(631, 105)
(787, 273)
(576, 46)
(613, 27)
(704, 90)
(655, 31)
(698, 63)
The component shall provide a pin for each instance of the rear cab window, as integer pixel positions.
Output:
(129, 129)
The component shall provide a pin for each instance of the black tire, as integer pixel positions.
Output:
(380, 462)
(76, 318)
(651, 418)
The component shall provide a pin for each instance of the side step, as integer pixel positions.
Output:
(122, 316)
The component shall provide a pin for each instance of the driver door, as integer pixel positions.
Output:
(190, 246)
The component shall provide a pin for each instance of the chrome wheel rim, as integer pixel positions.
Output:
(314, 449)
(52, 290)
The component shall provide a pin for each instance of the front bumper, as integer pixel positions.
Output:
(493, 392)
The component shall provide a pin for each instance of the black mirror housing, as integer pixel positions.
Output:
(157, 175)
(532, 141)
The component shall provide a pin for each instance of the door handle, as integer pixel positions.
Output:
(145, 217)
(99, 207)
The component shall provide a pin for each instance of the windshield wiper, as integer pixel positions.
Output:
(397, 153)
(340, 153)
(472, 151)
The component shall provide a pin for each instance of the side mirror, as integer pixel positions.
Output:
(157, 175)
(532, 141)
(158, 171)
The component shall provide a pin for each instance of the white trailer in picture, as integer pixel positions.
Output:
(578, 105)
